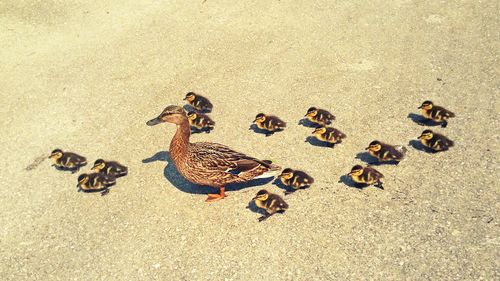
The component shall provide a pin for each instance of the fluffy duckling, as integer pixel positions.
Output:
(436, 142)
(319, 116)
(386, 152)
(200, 103)
(295, 179)
(67, 160)
(366, 176)
(329, 134)
(270, 202)
(269, 123)
(200, 121)
(110, 168)
(436, 113)
(95, 182)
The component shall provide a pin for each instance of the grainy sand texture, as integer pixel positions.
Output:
(85, 77)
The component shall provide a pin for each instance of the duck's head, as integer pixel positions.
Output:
(319, 131)
(171, 114)
(261, 117)
(286, 174)
(427, 105)
(56, 154)
(190, 96)
(99, 164)
(262, 195)
(356, 170)
(82, 179)
(426, 135)
(374, 146)
(311, 112)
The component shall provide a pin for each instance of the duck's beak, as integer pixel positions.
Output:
(154, 121)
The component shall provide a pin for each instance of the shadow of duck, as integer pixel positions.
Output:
(176, 179)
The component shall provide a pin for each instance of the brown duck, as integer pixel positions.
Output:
(207, 163)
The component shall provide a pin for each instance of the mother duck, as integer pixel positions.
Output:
(207, 163)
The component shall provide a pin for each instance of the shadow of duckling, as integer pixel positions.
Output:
(307, 123)
(373, 161)
(314, 141)
(345, 179)
(261, 131)
(176, 179)
(420, 147)
(420, 120)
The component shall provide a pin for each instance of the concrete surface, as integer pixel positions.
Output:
(85, 77)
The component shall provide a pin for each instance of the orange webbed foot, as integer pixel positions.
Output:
(216, 197)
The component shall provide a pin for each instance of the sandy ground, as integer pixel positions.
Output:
(85, 78)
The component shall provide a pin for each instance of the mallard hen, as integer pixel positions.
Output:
(207, 163)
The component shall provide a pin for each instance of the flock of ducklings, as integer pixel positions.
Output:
(105, 172)
(324, 132)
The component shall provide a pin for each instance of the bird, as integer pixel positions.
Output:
(295, 179)
(67, 160)
(270, 202)
(436, 113)
(364, 176)
(95, 182)
(269, 123)
(206, 163)
(329, 135)
(434, 141)
(319, 116)
(386, 152)
(200, 103)
(200, 121)
(110, 168)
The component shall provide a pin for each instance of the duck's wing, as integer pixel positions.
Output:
(214, 156)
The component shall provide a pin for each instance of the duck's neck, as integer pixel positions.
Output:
(180, 142)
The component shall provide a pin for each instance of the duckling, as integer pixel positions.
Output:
(366, 176)
(200, 121)
(329, 134)
(319, 116)
(67, 160)
(386, 152)
(110, 168)
(269, 123)
(200, 103)
(272, 203)
(436, 113)
(295, 179)
(436, 142)
(95, 182)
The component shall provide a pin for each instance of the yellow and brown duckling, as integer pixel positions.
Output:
(319, 116)
(436, 113)
(95, 182)
(386, 152)
(366, 176)
(270, 202)
(329, 134)
(110, 168)
(200, 103)
(200, 121)
(67, 160)
(269, 123)
(434, 141)
(295, 179)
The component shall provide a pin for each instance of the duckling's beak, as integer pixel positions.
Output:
(255, 120)
(185, 98)
(50, 156)
(367, 148)
(154, 121)
(419, 107)
(255, 198)
(420, 137)
(349, 174)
